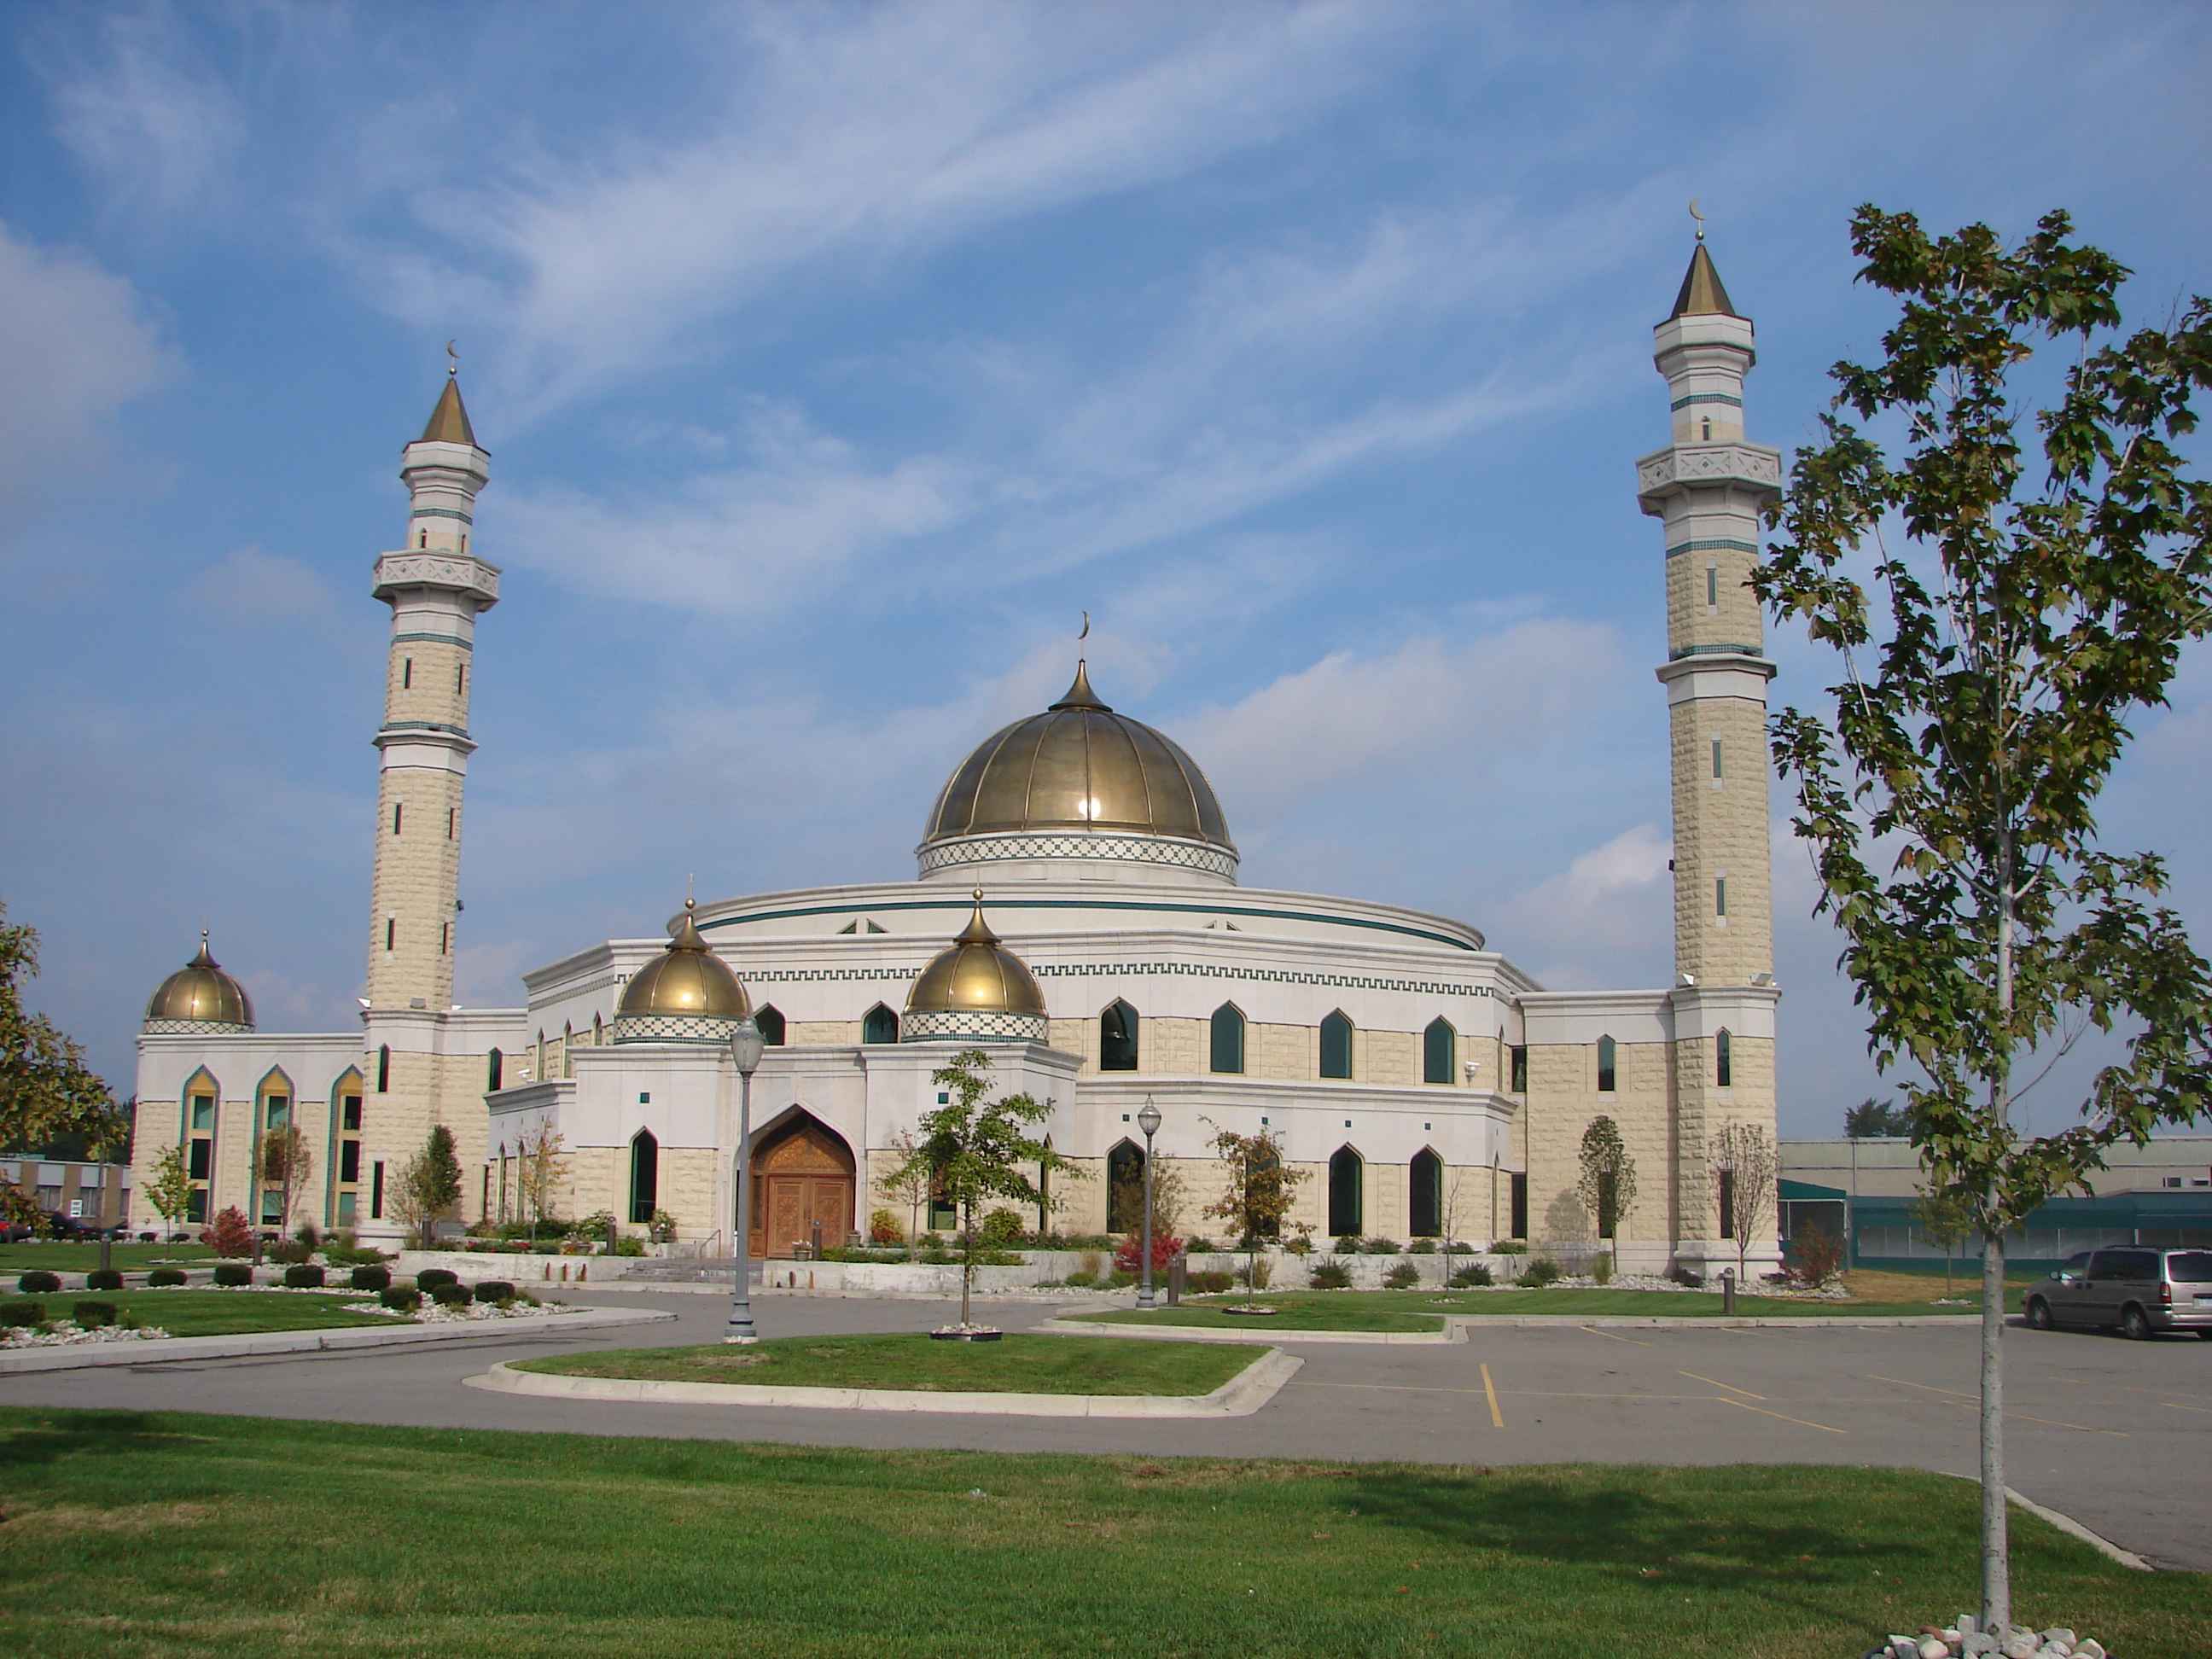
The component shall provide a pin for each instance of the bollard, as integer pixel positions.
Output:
(107, 1253)
(1177, 1266)
(1728, 1292)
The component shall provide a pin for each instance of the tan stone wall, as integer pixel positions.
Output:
(1706, 1108)
(688, 1175)
(414, 877)
(426, 693)
(1722, 829)
(1563, 1102)
(823, 1033)
(1282, 1054)
(1386, 1057)
(1736, 620)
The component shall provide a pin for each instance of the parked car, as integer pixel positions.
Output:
(69, 1227)
(2141, 1291)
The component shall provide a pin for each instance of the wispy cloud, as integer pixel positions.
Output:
(144, 113)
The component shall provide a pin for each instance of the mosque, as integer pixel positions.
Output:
(1078, 908)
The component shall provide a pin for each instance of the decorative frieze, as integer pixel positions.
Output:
(1124, 849)
(966, 1022)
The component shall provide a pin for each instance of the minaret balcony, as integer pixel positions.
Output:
(449, 572)
(1679, 469)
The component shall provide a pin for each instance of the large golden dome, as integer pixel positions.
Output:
(1080, 767)
(974, 976)
(687, 981)
(200, 994)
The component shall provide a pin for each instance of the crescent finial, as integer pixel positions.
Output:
(1699, 217)
(1085, 633)
(455, 366)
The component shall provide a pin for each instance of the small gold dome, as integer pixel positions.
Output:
(1079, 766)
(975, 975)
(202, 993)
(687, 978)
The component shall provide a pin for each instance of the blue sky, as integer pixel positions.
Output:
(832, 360)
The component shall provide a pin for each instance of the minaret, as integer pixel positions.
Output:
(436, 588)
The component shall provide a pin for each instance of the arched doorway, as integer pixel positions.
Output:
(1125, 1188)
(1346, 1179)
(644, 1176)
(1425, 1198)
(802, 1177)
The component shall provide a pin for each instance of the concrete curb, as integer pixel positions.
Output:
(1165, 1333)
(1462, 1327)
(1242, 1396)
(167, 1349)
(1812, 1322)
(2071, 1527)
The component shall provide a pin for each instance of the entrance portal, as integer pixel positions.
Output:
(802, 1177)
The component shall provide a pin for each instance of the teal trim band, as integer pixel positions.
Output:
(440, 513)
(436, 639)
(425, 726)
(1707, 397)
(1680, 651)
(963, 905)
(1715, 544)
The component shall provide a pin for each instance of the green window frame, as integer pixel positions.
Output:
(1119, 1029)
(1608, 1069)
(1347, 1207)
(203, 1114)
(1336, 1045)
(1425, 1194)
(1228, 1039)
(1439, 1051)
(1722, 1058)
(771, 1020)
(1517, 1058)
(880, 1024)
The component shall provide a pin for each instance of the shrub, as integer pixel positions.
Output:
(302, 1276)
(430, 1279)
(1201, 1245)
(495, 1290)
(233, 1275)
(935, 1255)
(289, 1252)
(103, 1278)
(1819, 1256)
(162, 1277)
(1348, 1245)
(1475, 1276)
(39, 1282)
(628, 1247)
(1208, 1281)
(1382, 1247)
(1459, 1246)
(1403, 1277)
(22, 1314)
(1081, 1280)
(1422, 1247)
(1541, 1271)
(455, 1294)
(91, 1315)
(1256, 1274)
(1331, 1276)
(661, 1227)
(1508, 1247)
(371, 1279)
(1127, 1256)
(306, 1234)
(1602, 1269)
(403, 1301)
(1298, 1244)
(884, 1228)
(1000, 1228)
(1092, 1264)
(1118, 1280)
(229, 1236)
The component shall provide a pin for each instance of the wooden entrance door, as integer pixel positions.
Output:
(803, 1177)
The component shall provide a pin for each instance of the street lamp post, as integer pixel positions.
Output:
(746, 1046)
(1149, 1121)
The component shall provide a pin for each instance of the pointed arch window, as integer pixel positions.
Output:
(1117, 1037)
(1267, 1158)
(1722, 1058)
(644, 1176)
(1228, 1038)
(1347, 1173)
(879, 1025)
(599, 1032)
(383, 1067)
(770, 1021)
(494, 1063)
(1439, 1051)
(1336, 1045)
(1606, 1055)
(1125, 1188)
(567, 1047)
(1425, 1195)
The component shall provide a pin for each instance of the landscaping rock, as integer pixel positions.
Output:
(2021, 1647)
(1973, 1644)
(2092, 1649)
(1904, 1647)
(1933, 1647)
(2063, 1637)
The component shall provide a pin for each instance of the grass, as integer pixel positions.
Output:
(223, 1313)
(77, 1257)
(1297, 1310)
(1014, 1364)
(140, 1534)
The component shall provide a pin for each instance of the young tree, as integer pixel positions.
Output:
(1873, 1117)
(170, 1191)
(1261, 1192)
(539, 1170)
(1128, 1196)
(46, 1090)
(1607, 1186)
(979, 1150)
(909, 1181)
(286, 1164)
(442, 1188)
(408, 1197)
(1947, 1221)
(1986, 688)
(1747, 1154)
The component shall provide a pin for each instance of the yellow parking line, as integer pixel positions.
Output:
(1800, 1422)
(1593, 1330)
(2175, 1405)
(1925, 1387)
(1490, 1391)
(1718, 1383)
(1955, 1398)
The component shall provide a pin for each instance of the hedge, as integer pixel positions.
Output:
(24, 1313)
(164, 1276)
(303, 1276)
(430, 1278)
(402, 1301)
(495, 1290)
(92, 1314)
(455, 1294)
(372, 1279)
(233, 1275)
(38, 1282)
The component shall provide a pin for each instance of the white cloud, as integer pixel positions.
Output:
(1613, 904)
(146, 119)
(247, 584)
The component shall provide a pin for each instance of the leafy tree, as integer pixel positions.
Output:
(1946, 1220)
(1753, 1165)
(46, 1090)
(978, 1150)
(442, 1188)
(229, 1236)
(538, 1168)
(286, 1162)
(170, 1189)
(909, 1181)
(1607, 1186)
(1260, 1193)
(409, 1196)
(2033, 610)
(1167, 1195)
(1875, 1118)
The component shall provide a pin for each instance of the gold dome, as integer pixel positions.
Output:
(202, 993)
(1080, 766)
(975, 975)
(686, 979)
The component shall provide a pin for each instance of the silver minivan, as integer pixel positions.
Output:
(2141, 1291)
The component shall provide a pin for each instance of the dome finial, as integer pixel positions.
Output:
(1699, 217)
(978, 931)
(1079, 694)
(449, 419)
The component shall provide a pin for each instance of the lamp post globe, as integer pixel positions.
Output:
(1149, 1121)
(746, 1047)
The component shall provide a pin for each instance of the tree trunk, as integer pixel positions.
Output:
(1997, 1572)
(966, 1257)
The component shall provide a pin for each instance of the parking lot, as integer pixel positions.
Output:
(2116, 1434)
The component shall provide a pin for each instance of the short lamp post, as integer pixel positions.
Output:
(746, 1047)
(1149, 1121)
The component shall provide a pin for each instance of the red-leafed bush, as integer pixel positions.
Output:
(1131, 1250)
(230, 1236)
(884, 1228)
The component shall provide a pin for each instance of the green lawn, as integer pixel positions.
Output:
(81, 1258)
(1298, 1310)
(224, 1313)
(1416, 1309)
(143, 1534)
(1014, 1364)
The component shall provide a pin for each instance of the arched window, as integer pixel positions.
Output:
(1335, 1046)
(1228, 1038)
(771, 1025)
(493, 1064)
(1044, 1192)
(880, 1025)
(1439, 1051)
(1426, 1194)
(1117, 1037)
(1125, 1188)
(272, 1115)
(1268, 1159)
(644, 1176)
(538, 1067)
(599, 1032)
(1605, 1065)
(1721, 1058)
(383, 1067)
(567, 1047)
(1347, 1212)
